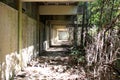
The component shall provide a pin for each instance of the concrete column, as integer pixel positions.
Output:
(20, 31)
(49, 34)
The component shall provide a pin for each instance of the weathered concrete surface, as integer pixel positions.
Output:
(8, 34)
(57, 10)
(9, 59)
(28, 39)
(8, 30)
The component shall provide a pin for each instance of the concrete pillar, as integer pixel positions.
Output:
(20, 31)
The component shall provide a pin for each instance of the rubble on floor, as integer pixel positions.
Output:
(50, 68)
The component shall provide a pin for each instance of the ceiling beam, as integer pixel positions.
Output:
(57, 10)
(54, 0)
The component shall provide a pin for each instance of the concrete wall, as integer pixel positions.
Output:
(9, 58)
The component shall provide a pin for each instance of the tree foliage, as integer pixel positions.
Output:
(103, 11)
(102, 50)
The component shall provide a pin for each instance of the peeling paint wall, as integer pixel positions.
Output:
(9, 59)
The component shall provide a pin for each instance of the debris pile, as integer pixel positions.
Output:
(50, 68)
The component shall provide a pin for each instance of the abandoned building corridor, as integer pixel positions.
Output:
(59, 39)
(38, 36)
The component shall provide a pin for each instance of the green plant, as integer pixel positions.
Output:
(77, 55)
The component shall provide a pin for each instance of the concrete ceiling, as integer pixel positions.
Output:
(58, 3)
(57, 10)
(54, 0)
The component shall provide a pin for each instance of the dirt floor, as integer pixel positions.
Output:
(50, 68)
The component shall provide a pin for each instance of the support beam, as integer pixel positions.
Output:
(20, 31)
(75, 32)
(50, 35)
(38, 30)
(57, 10)
(83, 26)
(54, 0)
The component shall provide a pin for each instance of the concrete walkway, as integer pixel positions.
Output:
(50, 68)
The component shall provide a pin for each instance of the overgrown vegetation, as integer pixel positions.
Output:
(101, 26)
